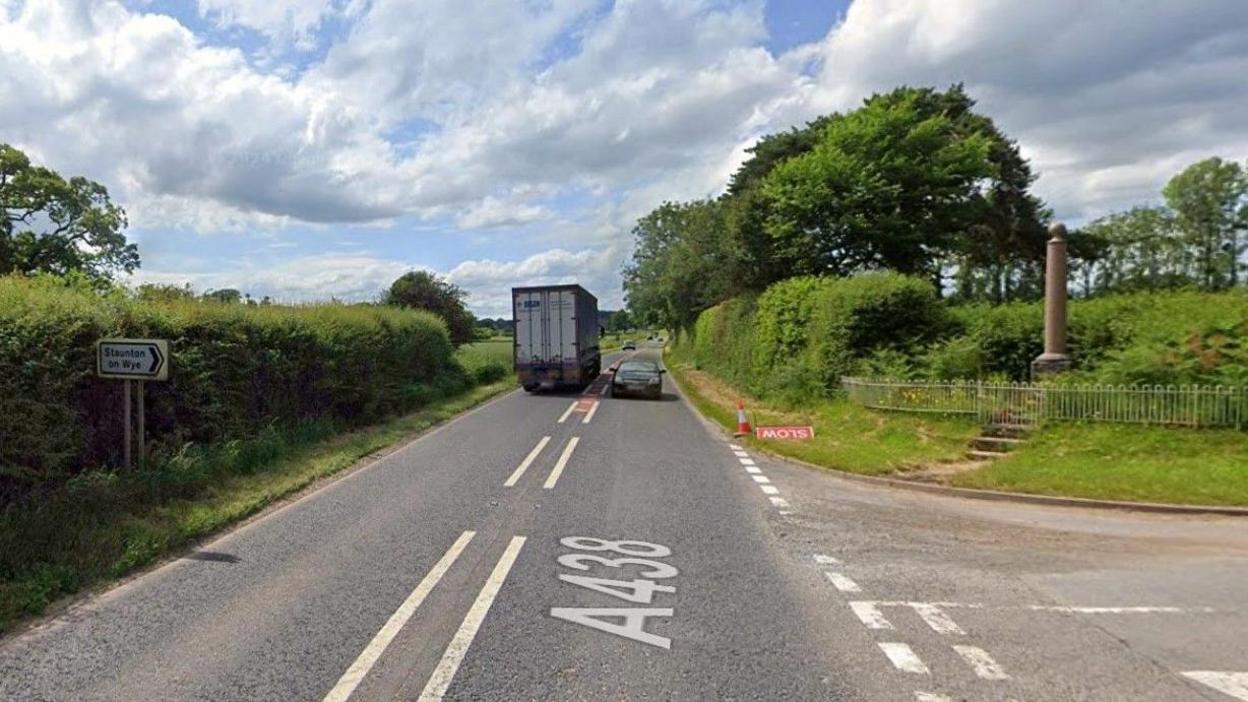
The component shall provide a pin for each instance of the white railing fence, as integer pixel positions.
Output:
(1030, 403)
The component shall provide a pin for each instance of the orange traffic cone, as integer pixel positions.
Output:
(743, 422)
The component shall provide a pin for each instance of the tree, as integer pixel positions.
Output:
(423, 290)
(907, 181)
(227, 296)
(1210, 202)
(58, 226)
(1140, 249)
(621, 321)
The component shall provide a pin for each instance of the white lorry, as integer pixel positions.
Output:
(556, 340)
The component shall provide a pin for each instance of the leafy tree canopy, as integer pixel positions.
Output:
(425, 291)
(54, 225)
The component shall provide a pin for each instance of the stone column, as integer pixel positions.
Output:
(1054, 359)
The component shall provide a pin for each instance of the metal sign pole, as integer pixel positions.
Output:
(125, 418)
(142, 427)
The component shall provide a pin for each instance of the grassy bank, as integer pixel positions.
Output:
(1125, 462)
(847, 437)
(107, 524)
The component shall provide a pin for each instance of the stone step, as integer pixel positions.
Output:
(984, 455)
(1007, 431)
(995, 443)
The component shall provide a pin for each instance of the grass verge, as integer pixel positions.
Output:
(1124, 462)
(847, 437)
(106, 525)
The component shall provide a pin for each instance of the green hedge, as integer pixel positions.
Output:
(235, 369)
(798, 338)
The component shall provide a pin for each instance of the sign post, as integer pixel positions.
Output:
(128, 360)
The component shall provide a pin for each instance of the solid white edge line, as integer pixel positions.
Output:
(528, 460)
(842, 582)
(983, 664)
(1227, 682)
(442, 676)
(571, 408)
(870, 615)
(592, 410)
(903, 658)
(562, 463)
(372, 652)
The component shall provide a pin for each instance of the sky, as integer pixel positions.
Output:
(307, 150)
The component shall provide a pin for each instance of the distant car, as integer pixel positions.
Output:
(630, 346)
(638, 378)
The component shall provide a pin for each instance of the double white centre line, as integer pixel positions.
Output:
(368, 658)
(458, 648)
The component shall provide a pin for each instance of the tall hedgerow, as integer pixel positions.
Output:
(235, 369)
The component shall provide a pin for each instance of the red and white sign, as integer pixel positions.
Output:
(799, 433)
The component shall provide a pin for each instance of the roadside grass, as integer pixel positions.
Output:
(847, 437)
(1124, 462)
(105, 525)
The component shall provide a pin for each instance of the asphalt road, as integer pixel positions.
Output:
(629, 552)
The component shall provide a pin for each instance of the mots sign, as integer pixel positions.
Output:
(798, 433)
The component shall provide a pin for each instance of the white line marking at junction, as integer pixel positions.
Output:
(930, 697)
(842, 583)
(826, 560)
(528, 460)
(985, 667)
(870, 615)
(455, 651)
(571, 408)
(769, 489)
(780, 502)
(734, 447)
(760, 479)
(746, 461)
(741, 454)
(590, 414)
(562, 463)
(937, 619)
(368, 657)
(1230, 683)
(904, 659)
(753, 470)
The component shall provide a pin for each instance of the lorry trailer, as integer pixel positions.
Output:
(556, 336)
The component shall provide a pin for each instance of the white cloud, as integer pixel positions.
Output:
(285, 20)
(500, 212)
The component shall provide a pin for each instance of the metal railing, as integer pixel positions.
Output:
(1030, 403)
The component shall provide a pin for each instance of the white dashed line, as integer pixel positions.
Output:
(983, 664)
(734, 447)
(741, 454)
(753, 470)
(368, 657)
(566, 413)
(592, 411)
(769, 489)
(903, 658)
(937, 619)
(780, 502)
(930, 697)
(458, 648)
(746, 461)
(528, 460)
(760, 479)
(1229, 683)
(842, 582)
(826, 560)
(562, 463)
(870, 615)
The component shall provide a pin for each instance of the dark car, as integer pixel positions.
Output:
(638, 378)
(629, 346)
